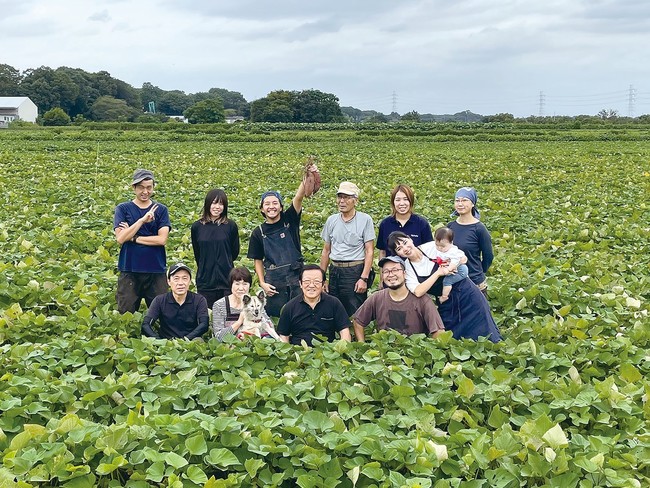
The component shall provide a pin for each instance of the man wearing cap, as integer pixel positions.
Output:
(275, 247)
(141, 228)
(395, 307)
(349, 245)
(180, 312)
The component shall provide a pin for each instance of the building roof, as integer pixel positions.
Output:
(12, 102)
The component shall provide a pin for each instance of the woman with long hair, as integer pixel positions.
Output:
(215, 241)
(466, 311)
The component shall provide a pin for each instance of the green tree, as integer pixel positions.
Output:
(608, 114)
(316, 106)
(206, 112)
(502, 117)
(353, 114)
(377, 119)
(231, 100)
(112, 109)
(150, 93)
(174, 102)
(56, 117)
(49, 88)
(411, 116)
(277, 106)
(9, 81)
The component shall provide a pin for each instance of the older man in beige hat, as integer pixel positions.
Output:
(349, 237)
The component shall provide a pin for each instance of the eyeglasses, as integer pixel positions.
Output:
(394, 271)
(312, 282)
(342, 196)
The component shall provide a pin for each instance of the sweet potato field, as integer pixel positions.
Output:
(563, 401)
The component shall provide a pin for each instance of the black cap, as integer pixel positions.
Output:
(175, 268)
(140, 175)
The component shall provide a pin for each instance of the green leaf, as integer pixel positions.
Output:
(630, 374)
(253, 466)
(317, 420)
(175, 460)
(196, 445)
(466, 387)
(155, 472)
(196, 475)
(222, 457)
(373, 471)
(555, 437)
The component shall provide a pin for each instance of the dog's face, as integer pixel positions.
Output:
(254, 305)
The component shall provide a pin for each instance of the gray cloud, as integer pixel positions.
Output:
(102, 16)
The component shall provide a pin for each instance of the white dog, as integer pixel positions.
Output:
(254, 321)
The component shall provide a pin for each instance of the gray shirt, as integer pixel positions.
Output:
(347, 239)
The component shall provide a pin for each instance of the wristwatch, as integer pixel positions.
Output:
(135, 239)
(364, 279)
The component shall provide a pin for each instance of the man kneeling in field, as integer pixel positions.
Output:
(181, 313)
(395, 307)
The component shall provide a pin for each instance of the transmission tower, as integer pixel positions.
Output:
(542, 101)
(394, 102)
(631, 98)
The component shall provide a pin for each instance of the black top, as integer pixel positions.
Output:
(291, 217)
(299, 321)
(475, 241)
(216, 247)
(187, 320)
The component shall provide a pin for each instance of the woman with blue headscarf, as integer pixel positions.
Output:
(471, 236)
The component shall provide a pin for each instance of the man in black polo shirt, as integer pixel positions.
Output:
(314, 312)
(181, 313)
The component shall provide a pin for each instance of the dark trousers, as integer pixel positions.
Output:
(133, 287)
(213, 295)
(284, 293)
(341, 285)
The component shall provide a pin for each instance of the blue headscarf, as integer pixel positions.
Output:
(469, 193)
(271, 194)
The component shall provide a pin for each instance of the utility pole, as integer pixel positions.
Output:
(394, 102)
(630, 101)
(542, 101)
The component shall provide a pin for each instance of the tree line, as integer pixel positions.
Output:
(71, 94)
(65, 95)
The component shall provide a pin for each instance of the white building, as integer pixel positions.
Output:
(12, 108)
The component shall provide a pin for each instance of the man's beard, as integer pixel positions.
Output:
(395, 287)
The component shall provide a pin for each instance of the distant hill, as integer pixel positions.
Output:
(464, 116)
(358, 115)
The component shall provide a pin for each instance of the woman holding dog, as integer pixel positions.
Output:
(215, 242)
(466, 313)
(226, 312)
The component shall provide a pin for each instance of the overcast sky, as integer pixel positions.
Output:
(435, 56)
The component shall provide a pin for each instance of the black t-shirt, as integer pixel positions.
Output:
(216, 247)
(299, 321)
(189, 320)
(291, 217)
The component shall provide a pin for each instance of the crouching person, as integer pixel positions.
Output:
(180, 312)
(314, 312)
(395, 307)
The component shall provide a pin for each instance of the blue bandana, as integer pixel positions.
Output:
(271, 194)
(469, 193)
